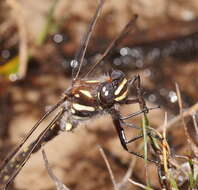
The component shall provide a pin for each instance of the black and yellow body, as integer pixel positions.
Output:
(87, 98)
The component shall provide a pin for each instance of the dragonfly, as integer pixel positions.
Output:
(84, 99)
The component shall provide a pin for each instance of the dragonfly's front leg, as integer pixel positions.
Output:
(116, 117)
(136, 83)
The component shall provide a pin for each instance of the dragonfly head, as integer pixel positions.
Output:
(115, 90)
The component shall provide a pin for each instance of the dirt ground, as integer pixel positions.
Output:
(75, 157)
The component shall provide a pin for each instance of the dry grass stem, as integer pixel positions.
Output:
(145, 125)
(164, 143)
(195, 124)
(58, 183)
(139, 184)
(182, 115)
(195, 147)
(177, 118)
(128, 174)
(179, 99)
(109, 168)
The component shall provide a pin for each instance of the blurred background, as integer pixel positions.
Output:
(38, 39)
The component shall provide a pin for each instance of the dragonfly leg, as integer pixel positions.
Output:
(136, 83)
(120, 131)
(131, 125)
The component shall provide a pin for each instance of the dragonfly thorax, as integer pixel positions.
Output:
(90, 97)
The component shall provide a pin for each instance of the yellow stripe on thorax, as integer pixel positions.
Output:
(80, 107)
(86, 93)
(120, 87)
(122, 96)
(92, 81)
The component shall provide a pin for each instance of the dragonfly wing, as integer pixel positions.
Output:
(78, 60)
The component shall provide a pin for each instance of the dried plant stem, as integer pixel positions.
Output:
(139, 185)
(128, 174)
(145, 125)
(58, 183)
(177, 118)
(195, 124)
(109, 168)
(164, 142)
(182, 114)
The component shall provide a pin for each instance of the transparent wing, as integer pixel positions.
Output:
(15, 151)
(28, 153)
(115, 42)
(78, 60)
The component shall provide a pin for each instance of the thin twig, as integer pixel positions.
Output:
(177, 118)
(189, 139)
(128, 174)
(181, 113)
(139, 184)
(145, 126)
(164, 142)
(109, 168)
(58, 183)
(195, 124)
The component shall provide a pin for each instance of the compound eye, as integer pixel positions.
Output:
(106, 93)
